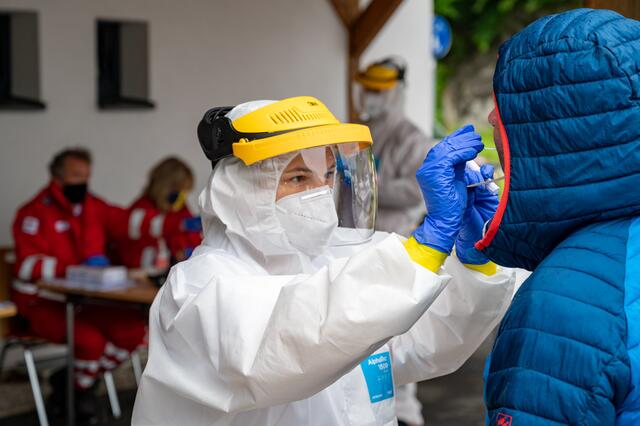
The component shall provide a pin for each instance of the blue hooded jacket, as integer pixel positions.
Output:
(567, 92)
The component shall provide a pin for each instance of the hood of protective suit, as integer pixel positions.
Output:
(393, 113)
(567, 92)
(238, 211)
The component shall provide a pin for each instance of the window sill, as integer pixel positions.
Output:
(125, 103)
(15, 103)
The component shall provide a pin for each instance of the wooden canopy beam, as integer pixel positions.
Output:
(369, 23)
(345, 11)
(629, 8)
(362, 28)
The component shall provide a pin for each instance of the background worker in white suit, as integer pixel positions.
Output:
(399, 148)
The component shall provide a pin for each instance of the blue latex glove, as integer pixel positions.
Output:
(192, 224)
(481, 207)
(98, 260)
(188, 252)
(441, 179)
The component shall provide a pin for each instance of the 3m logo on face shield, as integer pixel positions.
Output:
(504, 420)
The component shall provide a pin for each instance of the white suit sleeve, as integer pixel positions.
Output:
(237, 342)
(454, 326)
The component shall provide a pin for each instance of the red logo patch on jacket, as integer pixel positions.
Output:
(504, 420)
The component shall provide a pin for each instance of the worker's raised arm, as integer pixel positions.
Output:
(234, 342)
(454, 326)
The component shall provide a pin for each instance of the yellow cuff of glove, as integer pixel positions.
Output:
(488, 268)
(425, 256)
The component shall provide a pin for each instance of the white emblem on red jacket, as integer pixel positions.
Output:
(30, 225)
(61, 226)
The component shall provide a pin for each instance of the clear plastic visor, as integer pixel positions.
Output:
(348, 171)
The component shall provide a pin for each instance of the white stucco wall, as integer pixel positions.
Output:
(203, 53)
(408, 34)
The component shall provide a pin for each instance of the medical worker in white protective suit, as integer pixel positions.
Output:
(293, 311)
(399, 148)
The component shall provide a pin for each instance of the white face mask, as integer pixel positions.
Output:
(309, 219)
(373, 105)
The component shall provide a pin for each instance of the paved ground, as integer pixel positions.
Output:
(454, 400)
(126, 401)
(16, 401)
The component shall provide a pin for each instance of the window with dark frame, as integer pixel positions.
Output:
(19, 61)
(123, 65)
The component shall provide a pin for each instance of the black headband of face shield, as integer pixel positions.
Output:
(392, 63)
(217, 135)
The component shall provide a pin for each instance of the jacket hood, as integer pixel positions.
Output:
(567, 92)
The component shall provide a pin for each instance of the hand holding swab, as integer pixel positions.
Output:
(488, 181)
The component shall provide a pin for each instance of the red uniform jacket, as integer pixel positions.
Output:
(150, 232)
(50, 233)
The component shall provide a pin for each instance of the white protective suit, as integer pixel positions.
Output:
(249, 331)
(400, 148)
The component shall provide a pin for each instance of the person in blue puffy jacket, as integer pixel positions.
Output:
(567, 120)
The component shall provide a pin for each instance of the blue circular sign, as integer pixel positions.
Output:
(442, 37)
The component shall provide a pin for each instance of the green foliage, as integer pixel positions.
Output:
(482, 24)
(443, 72)
(479, 26)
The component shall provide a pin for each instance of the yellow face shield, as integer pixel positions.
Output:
(251, 152)
(296, 124)
(313, 152)
(278, 128)
(379, 77)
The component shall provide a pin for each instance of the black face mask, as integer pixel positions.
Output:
(75, 193)
(173, 197)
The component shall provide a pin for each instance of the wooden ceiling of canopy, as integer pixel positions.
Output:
(630, 8)
(362, 27)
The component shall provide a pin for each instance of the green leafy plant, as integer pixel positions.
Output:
(480, 26)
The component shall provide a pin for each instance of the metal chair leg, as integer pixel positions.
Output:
(113, 394)
(8, 344)
(35, 387)
(137, 366)
(3, 354)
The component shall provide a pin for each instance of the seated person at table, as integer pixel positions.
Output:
(65, 225)
(159, 227)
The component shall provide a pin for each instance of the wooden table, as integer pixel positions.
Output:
(139, 292)
(7, 309)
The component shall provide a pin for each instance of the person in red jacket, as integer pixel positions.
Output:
(160, 227)
(65, 225)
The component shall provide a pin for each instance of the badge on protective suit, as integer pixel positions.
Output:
(377, 373)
